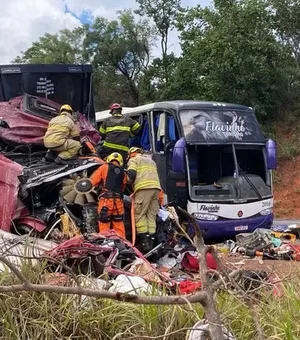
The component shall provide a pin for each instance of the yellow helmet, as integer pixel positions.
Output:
(134, 149)
(115, 156)
(67, 108)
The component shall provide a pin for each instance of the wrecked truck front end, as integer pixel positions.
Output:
(49, 191)
(31, 187)
(33, 197)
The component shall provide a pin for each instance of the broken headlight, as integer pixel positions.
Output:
(266, 212)
(207, 217)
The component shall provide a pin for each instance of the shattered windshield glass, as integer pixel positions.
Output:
(220, 126)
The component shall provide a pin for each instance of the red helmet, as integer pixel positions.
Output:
(115, 106)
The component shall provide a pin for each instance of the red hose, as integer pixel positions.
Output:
(132, 216)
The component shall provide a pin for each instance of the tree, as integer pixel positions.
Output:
(122, 47)
(164, 14)
(286, 23)
(110, 87)
(119, 51)
(153, 86)
(231, 54)
(285, 14)
(65, 47)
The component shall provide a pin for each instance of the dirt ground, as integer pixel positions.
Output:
(287, 189)
(286, 205)
(284, 269)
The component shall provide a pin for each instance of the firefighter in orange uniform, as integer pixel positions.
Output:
(113, 179)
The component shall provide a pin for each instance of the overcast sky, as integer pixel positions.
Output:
(24, 21)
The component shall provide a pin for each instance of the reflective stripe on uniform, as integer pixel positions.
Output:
(116, 146)
(151, 227)
(53, 145)
(135, 126)
(118, 128)
(102, 130)
(146, 185)
(141, 226)
(145, 167)
(142, 222)
(146, 173)
(59, 128)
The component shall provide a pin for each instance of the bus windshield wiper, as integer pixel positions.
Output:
(249, 182)
(241, 172)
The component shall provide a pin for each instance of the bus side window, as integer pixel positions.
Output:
(172, 131)
(159, 119)
(135, 140)
(171, 137)
(143, 138)
(145, 134)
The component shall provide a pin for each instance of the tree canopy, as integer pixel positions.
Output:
(65, 47)
(235, 56)
(241, 51)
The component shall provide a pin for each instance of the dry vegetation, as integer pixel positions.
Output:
(33, 315)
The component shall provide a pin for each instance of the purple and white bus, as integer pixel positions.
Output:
(213, 160)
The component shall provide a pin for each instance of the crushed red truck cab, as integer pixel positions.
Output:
(24, 120)
(23, 123)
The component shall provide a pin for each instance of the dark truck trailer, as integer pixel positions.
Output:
(62, 83)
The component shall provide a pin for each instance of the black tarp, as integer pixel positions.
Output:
(220, 126)
(61, 83)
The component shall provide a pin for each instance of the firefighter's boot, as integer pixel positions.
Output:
(50, 156)
(62, 161)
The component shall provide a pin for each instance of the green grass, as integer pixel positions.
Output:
(52, 316)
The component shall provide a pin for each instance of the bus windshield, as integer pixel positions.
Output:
(220, 126)
(213, 173)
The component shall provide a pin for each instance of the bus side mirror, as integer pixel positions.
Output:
(178, 160)
(271, 154)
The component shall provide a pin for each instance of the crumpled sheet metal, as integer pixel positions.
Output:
(26, 128)
(9, 186)
(79, 248)
(75, 248)
(15, 248)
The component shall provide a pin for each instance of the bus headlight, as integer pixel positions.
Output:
(207, 217)
(266, 212)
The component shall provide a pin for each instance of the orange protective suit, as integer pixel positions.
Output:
(111, 207)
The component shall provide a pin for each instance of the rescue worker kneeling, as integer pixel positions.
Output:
(113, 179)
(62, 137)
(142, 171)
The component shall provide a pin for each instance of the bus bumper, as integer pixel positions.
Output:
(217, 231)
